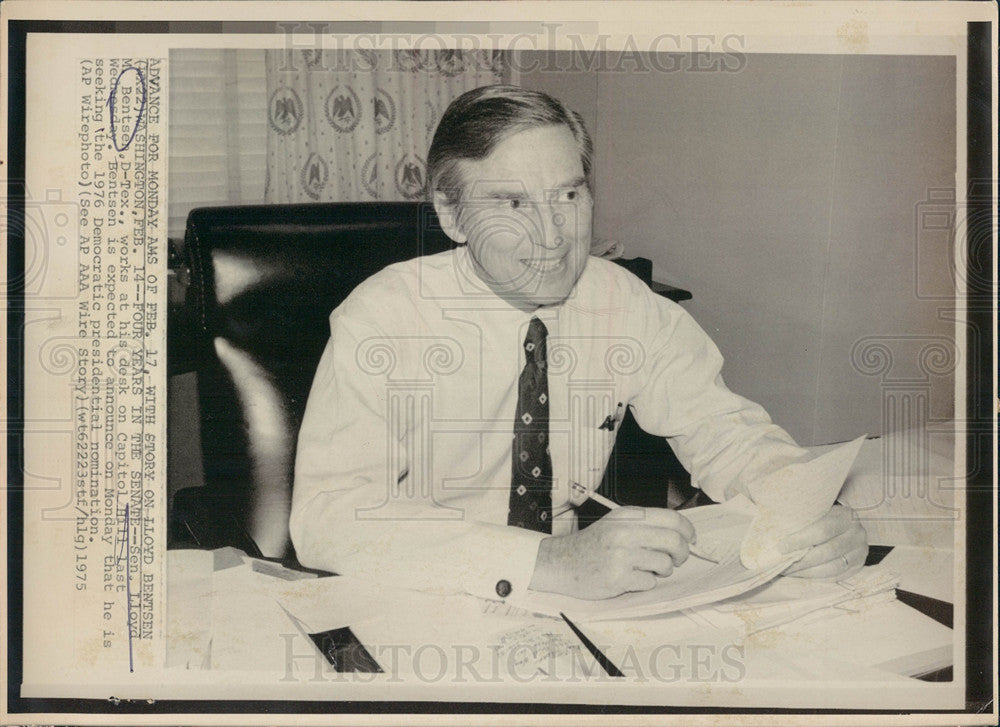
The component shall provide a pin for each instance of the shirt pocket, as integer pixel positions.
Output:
(595, 413)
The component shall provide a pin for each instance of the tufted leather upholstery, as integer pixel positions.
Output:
(264, 280)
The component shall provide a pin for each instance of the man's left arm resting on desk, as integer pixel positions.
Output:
(727, 442)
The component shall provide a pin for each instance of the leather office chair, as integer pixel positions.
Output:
(263, 281)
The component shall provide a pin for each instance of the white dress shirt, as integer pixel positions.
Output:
(403, 467)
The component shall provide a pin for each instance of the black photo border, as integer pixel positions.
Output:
(981, 446)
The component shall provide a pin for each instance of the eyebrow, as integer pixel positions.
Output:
(521, 194)
(506, 194)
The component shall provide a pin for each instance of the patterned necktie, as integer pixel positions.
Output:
(531, 471)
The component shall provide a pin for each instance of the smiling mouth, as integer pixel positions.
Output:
(545, 266)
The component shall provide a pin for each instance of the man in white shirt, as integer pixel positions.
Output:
(466, 403)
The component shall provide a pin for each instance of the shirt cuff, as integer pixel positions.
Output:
(505, 564)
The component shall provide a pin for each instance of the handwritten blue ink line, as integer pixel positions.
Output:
(128, 587)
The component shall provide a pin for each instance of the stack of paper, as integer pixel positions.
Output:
(890, 636)
(232, 612)
(788, 599)
(222, 612)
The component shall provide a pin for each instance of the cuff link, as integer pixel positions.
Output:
(504, 588)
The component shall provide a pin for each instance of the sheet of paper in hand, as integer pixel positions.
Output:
(792, 498)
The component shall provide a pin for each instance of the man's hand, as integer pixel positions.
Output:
(838, 546)
(623, 551)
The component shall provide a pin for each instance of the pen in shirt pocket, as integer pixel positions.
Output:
(611, 421)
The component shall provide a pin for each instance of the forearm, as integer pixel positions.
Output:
(729, 452)
(412, 545)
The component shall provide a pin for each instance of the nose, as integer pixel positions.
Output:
(554, 225)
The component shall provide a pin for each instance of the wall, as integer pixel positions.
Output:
(784, 196)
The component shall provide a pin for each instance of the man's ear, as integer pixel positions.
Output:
(448, 216)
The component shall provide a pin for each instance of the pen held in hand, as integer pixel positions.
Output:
(602, 500)
(612, 505)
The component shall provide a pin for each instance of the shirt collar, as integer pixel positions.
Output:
(470, 284)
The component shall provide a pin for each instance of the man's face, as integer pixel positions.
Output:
(526, 214)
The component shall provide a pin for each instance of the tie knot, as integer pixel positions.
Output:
(534, 342)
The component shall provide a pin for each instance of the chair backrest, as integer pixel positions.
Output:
(264, 280)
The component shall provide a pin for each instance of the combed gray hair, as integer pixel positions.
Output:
(478, 120)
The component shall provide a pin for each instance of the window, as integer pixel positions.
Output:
(218, 130)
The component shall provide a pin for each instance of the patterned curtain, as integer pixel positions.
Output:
(356, 125)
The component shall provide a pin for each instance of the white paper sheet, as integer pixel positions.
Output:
(891, 636)
(189, 608)
(814, 486)
(903, 486)
(927, 571)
